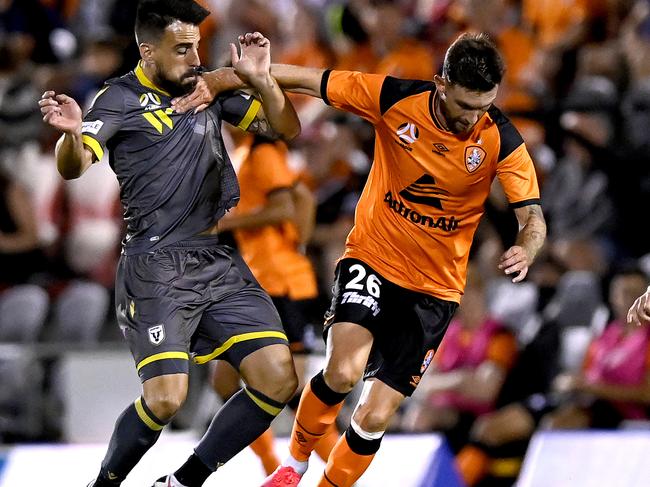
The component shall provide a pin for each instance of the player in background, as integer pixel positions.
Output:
(271, 225)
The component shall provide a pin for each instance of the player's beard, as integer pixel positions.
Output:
(182, 87)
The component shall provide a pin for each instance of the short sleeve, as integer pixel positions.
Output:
(354, 92)
(103, 120)
(517, 176)
(269, 163)
(238, 108)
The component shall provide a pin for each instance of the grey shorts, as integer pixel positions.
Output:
(194, 299)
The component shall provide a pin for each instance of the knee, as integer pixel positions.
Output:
(164, 404)
(373, 419)
(281, 383)
(341, 377)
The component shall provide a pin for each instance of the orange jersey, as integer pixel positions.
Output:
(425, 194)
(271, 252)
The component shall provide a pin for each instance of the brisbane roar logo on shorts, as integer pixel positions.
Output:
(427, 361)
(474, 157)
(408, 132)
(157, 334)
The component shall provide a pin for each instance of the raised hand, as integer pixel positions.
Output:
(254, 62)
(61, 112)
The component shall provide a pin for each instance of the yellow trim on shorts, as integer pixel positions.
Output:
(250, 115)
(146, 419)
(201, 359)
(93, 145)
(162, 356)
(272, 410)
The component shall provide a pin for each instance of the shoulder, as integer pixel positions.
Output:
(113, 94)
(394, 90)
(509, 137)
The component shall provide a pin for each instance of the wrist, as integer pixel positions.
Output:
(264, 82)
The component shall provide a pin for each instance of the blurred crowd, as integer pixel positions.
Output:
(577, 87)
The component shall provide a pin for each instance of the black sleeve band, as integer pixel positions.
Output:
(521, 204)
(323, 85)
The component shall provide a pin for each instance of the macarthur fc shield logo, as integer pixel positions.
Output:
(474, 157)
(157, 334)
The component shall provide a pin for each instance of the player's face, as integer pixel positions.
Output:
(176, 57)
(461, 107)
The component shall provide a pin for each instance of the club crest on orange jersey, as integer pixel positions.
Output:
(474, 157)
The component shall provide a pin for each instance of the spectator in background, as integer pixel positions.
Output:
(639, 312)
(23, 305)
(468, 371)
(42, 27)
(614, 384)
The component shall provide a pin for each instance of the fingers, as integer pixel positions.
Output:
(254, 38)
(61, 98)
(514, 262)
(639, 312)
(49, 116)
(201, 107)
(234, 54)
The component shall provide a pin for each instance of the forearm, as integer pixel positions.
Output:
(223, 79)
(279, 111)
(298, 79)
(72, 158)
(612, 392)
(18, 242)
(532, 233)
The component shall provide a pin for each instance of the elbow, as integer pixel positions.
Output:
(68, 174)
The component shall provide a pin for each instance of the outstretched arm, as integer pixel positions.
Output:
(63, 113)
(297, 79)
(531, 236)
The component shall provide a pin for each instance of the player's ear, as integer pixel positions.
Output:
(440, 84)
(146, 52)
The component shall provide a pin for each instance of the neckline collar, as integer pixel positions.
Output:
(144, 81)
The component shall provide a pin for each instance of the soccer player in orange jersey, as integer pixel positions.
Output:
(273, 220)
(438, 146)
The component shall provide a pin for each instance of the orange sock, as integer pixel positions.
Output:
(472, 464)
(263, 448)
(313, 419)
(325, 445)
(344, 466)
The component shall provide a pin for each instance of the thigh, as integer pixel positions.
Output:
(409, 335)
(240, 319)
(157, 310)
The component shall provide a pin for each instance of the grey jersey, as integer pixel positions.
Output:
(175, 176)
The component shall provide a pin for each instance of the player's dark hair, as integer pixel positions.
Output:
(473, 62)
(154, 16)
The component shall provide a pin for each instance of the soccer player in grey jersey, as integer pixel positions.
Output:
(179, 293)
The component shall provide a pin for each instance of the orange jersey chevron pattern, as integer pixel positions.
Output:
(427, 187)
